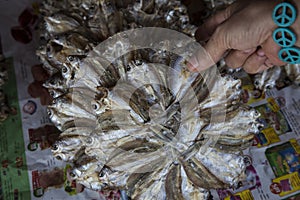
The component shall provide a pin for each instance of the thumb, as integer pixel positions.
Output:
(211, 53)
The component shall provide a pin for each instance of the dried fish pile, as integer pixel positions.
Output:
(132, 116)
(74, 27)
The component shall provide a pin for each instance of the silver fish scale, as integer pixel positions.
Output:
(132, 116)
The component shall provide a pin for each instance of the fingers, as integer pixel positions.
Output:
(269, 64)
(255, 62)
(271, 50)
(208, 28)
(218, 43)
(251, 60)
(262, 68)
(265, 66)
(236, 58)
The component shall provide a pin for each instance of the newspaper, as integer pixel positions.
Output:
(273, 162)
(29, 171)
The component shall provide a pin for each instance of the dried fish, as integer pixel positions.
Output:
(277, 76)
(132, 116)
(293, 72)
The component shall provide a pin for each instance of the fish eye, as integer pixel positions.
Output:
(86, 50)
(58, 158)
(52, 82)
(71, 58)
(268, 87)
(260, 127)
(55, 147)
(52, 93)
(89, 140)
(104, 184)
(95, 106)
(64, 69)
(92, 7)
(49, 112)
(128, 68)
(138, 62)
(72, 174)
(101, 174)
(54, 101)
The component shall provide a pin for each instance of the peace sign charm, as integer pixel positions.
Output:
(290, 55)
(284, 14)
(284, 37)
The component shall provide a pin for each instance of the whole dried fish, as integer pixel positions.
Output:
(277, 76)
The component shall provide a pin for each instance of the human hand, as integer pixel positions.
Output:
(244, 32)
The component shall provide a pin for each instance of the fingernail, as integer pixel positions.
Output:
(190, 67)
(269, 63)
(260, 52)
(262, 68)
(192, 64)
(249, 50)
